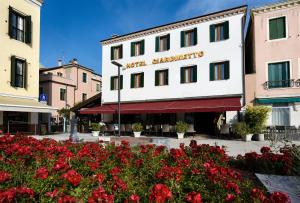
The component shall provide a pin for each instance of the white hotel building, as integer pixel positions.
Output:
(189, 70)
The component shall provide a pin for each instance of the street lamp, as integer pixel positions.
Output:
(119, 96)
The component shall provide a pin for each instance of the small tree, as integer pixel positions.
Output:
(256, 118)
(64, 112)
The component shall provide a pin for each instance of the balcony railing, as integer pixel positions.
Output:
(279, 84)
(297, 83)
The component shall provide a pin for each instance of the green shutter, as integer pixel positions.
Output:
(194, 69)
(167, 78)
(212, 33)
(25, 73)
(226, 30)
(281, 27)
(195, 36)
(112, 83)
(168, 42)
(121, 51)
(28, 30)
(132, 81)
(226, 70)
(10, 26)
(156, 44)
(212, 71)
(121, 82)
(142, 79)
(112, 53)
(182, 38)
(132, 48)
(156, 78)
(182, 75)
(272, 29)
(143, 47)
(13, 72)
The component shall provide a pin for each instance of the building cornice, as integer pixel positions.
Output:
(276, 6)
(176, 25)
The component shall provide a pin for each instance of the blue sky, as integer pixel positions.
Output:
(73, 29)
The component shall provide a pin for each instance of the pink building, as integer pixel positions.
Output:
(273, 61)
(67, 85)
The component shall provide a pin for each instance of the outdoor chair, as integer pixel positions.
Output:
(191, 129)
(156, 129)
(165, 129)
(128, 129)
(172, 129)
(148, 129)
(111, 129)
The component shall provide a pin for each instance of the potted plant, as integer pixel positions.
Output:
(95, 129)
(242, 129)
(137, 129)
(181, 128)
(256, 118)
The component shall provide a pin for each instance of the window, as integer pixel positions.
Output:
(219, 32)
(62, 94)
(219, 71)
(277, 28)
(138, 48)
(281, 114)
(114, 82)
(59, 74)
(117, 52)
(279, 75)
(18, 72)
(189, 38)
(84, 77)
(162, 43)
(137, 80)
(84, 96)
(189, 74)
(161, 77)
(98, 87)
(19, 26)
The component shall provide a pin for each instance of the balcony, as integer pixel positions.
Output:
(280, 84)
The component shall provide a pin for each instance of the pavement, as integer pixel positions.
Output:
(233, 147)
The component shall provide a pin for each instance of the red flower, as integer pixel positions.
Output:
(4, 176)
(160, 193)
(265, 150)
(42, 173)
(134, 198)
(52, 194)
(229, 198)
(73, 177)
(66, 199)
(100, 195)
(100, 177)
(115, 171)
(258, 194)
(233, 186)
(279, 197)
(60, 164)
(193, 197)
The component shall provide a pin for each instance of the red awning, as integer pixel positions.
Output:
(193, 105)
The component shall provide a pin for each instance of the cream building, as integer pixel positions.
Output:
(19, 65)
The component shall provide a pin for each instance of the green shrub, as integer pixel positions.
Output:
(181, 127)
(137, 127)
(241, 129)
(256, 118)
(95, 126)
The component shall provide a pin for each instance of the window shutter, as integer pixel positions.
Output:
(226, 71)
(156, 78)
(182, 75)
(25, 73)
(112, 53)
(281, 27)
(112, 83)
(121, 82)
(195, 36)
(168, 42)
(142, 79)
(212, 71)
(167, 78)
(156, 44)
(28, 30)
(132, 48)
(212, 33)
(194, 69)
(182, 39)
(132, 81)
(226, 30)
(13, 72)
(121, 51)
(10, 27)
(272, 29)
(143, 47)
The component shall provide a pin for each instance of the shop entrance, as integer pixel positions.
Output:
(205, 122)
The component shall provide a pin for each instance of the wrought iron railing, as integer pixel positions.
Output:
(297, 83)
(279, 84)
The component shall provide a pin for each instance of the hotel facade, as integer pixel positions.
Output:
(273, 61)
(190, 70)
(19, 65)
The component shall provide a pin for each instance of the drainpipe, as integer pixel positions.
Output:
(243, 59)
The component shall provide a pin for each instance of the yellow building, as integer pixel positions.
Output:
(19, 65)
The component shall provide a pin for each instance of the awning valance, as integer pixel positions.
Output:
(277, 100)
(192, 105)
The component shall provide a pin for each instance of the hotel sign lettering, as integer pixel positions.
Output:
(179, 57)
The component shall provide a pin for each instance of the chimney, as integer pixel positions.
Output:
(74, 61)
(114, 36)
(59, 62)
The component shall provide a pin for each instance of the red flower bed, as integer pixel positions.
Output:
(50, 171)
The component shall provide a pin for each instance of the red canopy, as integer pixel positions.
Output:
(192, 105)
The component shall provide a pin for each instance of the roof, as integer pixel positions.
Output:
(176, 24)
(275, 6)
(91, 102)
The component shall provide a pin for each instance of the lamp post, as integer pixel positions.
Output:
(119, 96)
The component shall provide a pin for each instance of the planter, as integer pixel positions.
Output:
(137, 134)
(259, 137)
(180, 135)
(247, 138)
(104, 138)
(95, 133)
